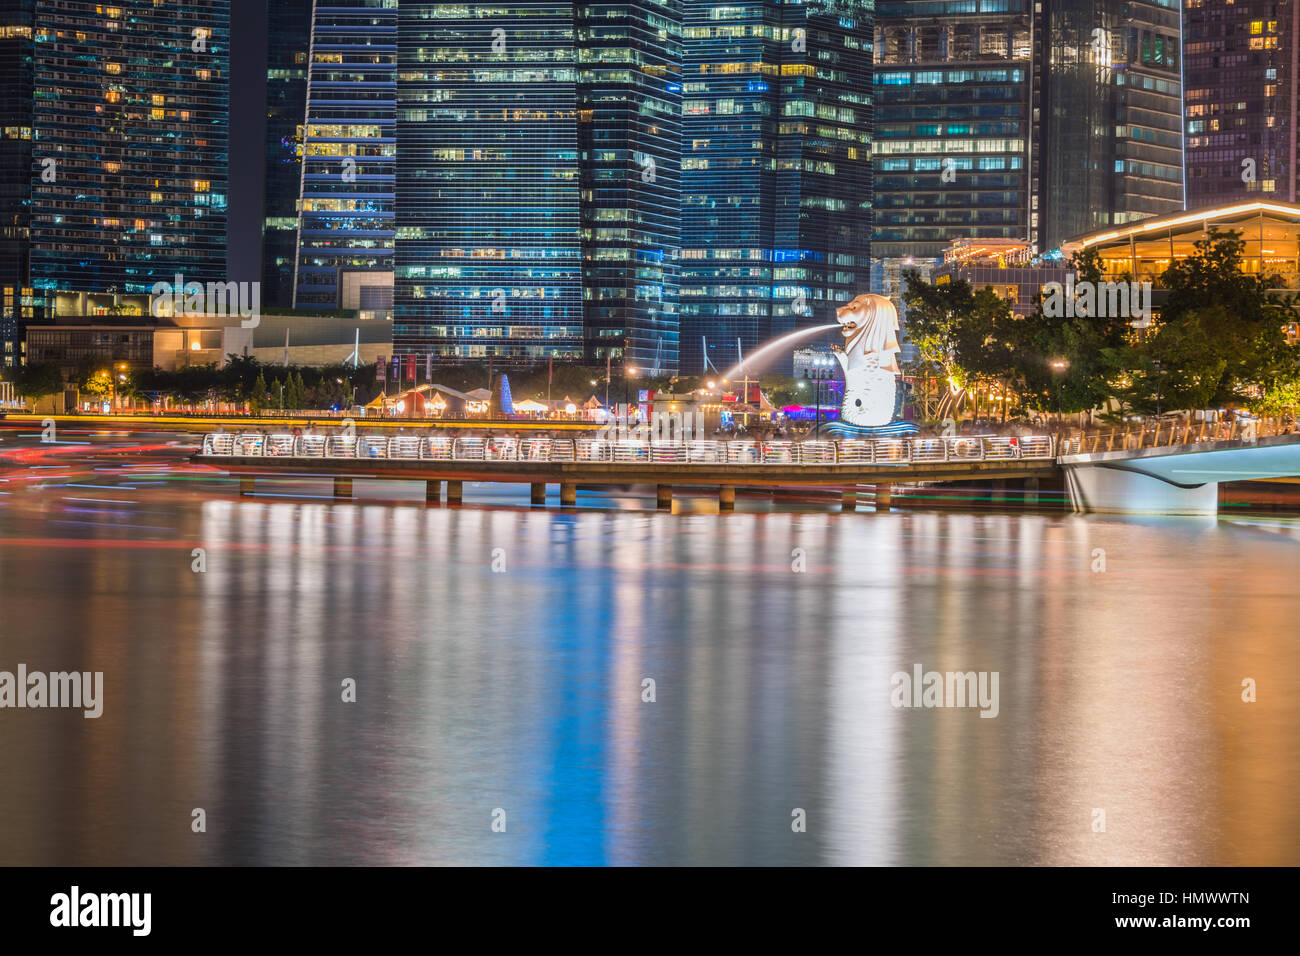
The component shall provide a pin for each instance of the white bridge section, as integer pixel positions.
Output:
(891, 451)
(1181, 479)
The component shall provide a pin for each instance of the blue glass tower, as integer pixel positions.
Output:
(16, 119)
(776, 170)
(629, 136)
(288, 46)
(129, 144)
(954, 133)
(345, 233)
(489, 256)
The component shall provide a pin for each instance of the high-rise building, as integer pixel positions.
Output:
(346, 210)
(489, 257)
(1109, 97)
(953, 124)
(629, 161)
(288, 47)
(1029, 120)
(537, 182)
(125, 183)
(17, 102)
(1240, 101)
(776, 170)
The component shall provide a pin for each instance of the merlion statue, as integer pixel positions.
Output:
(869, 358)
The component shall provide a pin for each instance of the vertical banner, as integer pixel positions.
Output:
(428, 367)
(410, 367)
(380, 369)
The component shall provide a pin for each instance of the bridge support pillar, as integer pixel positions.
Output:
(664, 496)
(342, 487)
(1031, 491)
(884, 497)
(455, 490)
(1095, 489)
(246, 484)
(727, 498)
(849, 500)
(537, 493)
(433, 492)
(568, 494)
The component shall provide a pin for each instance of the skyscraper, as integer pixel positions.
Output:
(1033, 120)
(776, 170)
(629, 153)
(17, 104)
(130, 144)
(953, 124)
(489, 257)
(128, 151)
(288, 46)
(1109, 94)
(346, 218)
(1241, 97)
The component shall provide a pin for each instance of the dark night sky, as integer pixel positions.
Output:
(247, 131)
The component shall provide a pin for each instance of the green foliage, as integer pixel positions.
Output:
(37, 381)
(1219, 340)
(258, 398)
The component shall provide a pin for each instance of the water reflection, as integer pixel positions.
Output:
(521, 687)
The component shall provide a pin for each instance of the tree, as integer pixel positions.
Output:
(1221, 336)
(1071, 363)
(258, 400)
(37, 381)
(964, 336)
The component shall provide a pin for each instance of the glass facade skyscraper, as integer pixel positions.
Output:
(288, 46)
(1240, 102)
(489, 258)
(131, 105)
(953, 124)
(115, 152)
(1030, 120)
(629, 151)
(16, 119)
(776, 170)
(346, 216)
(1109, 91)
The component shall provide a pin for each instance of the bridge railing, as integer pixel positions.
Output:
(879, 451)
(1166, 434)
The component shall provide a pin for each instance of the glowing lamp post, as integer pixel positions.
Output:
(823, 369)
(1059, 368)
(627, 376)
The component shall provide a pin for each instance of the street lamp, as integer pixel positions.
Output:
(822, 370)
(628, 374)
(1059, 368)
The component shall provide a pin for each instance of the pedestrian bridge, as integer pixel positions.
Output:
(1174, 479)
(1180, 477)
(440, 459)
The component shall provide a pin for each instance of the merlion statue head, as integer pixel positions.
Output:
(869, 325)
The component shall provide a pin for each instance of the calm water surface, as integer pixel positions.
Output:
(520, 687)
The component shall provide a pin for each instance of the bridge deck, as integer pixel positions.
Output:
(595, 461)
(753, 475)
